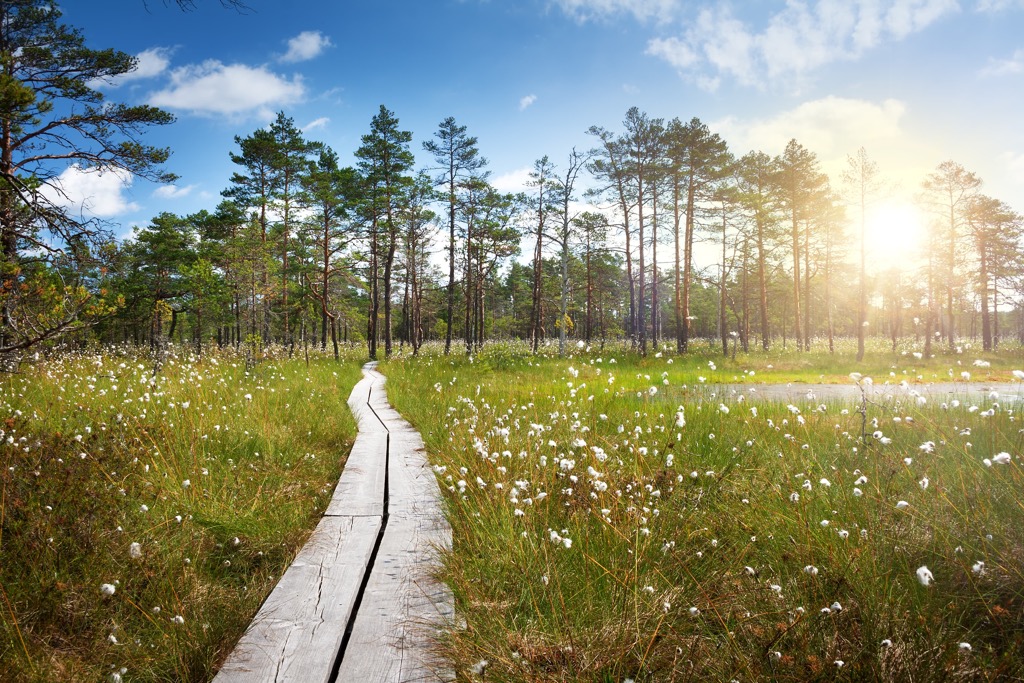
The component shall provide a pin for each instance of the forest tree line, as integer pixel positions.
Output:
(304, 250)
(603, 244)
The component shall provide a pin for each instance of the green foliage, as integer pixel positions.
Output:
(188, 493)
(656, 527)
(54, 113)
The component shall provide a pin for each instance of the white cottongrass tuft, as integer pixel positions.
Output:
(925, 576)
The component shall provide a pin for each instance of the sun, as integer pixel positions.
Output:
(895, 236)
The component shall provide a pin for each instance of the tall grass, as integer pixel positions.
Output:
(145, 517)
(615, 518)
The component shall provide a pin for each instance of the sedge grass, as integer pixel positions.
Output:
(610, 524)
(145, 517)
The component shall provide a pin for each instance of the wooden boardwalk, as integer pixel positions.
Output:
(359, 603)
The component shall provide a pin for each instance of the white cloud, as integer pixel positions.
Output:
(173, 191)
(1005, 67)
(90, 192)
(793, 41)
(228, 89)
(833, 128)
(305, 46)
(316, 123)
(674, 51)
(829, 127)
(910, 16)
(150, 63)
(643, 10)
(999, 5)
(526, 101)
(513, 181)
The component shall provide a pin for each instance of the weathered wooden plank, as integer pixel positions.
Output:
(360, 490)
(401, 608)
(298, 631)
(359, 402)
(366, 420)
(412, 484)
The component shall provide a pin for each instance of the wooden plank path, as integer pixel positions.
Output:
(359, 603)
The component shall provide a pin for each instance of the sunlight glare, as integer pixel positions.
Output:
(896, 236)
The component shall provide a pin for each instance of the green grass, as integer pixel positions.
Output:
(587, 522)
(188, 492)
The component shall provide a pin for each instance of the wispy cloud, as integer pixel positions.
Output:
(512, 181)
(306, 46)
(1005, 67)
(999, 5)
(660, 11)
(173, 191)
(831, 126)
(215, 88)
(526, 101)
(149, 64)
(791, 42)
(316, 123)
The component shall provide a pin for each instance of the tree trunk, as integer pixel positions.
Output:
(721, 291)
(762, 277)
(680, 335)
(388, 269)
(451, 258)
(654, 266)
(797, 333)
(807, 285)
(983, 277)
(371, 327)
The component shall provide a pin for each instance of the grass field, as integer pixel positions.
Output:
(145, 517)
(615, 519)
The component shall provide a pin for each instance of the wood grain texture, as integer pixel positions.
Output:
(297, 632)
(360, 490)
(402, 607)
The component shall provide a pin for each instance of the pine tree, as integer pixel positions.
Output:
(949, 191)
(329, 192)
(54, 121)
(861, 180)
(289, 161)
(457, 157)
(384, 161)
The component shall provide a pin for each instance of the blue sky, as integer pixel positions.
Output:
(913, 81)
